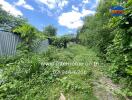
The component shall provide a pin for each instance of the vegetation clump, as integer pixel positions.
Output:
(103, 40)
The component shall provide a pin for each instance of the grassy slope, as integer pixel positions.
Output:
(81, 86)
(76, 86)
(28, 84)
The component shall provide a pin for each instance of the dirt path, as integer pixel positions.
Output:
(104, 88)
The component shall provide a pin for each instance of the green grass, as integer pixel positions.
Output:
(33, 81)
(79, 85)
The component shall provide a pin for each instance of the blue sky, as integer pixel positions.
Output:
(66, 15)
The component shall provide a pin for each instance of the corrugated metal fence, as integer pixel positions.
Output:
(40, 46)
(9, 42)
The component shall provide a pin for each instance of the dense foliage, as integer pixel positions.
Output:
(8, 22)
(119, 52)
(26, 76)
(29, 77)
(112, 36)
(50, 30)
(103, 38)
(62, 42)
(28, 34)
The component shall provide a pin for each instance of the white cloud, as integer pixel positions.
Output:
(85, 1)
(62, 3)
(28, 7)
(73, 19)
(24, 4)
(43, 10)
(20, 2)
(75, 8)
(10, 8)
(86, 12)
(52, 4)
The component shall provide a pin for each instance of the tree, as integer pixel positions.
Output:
(112, 36)
(94, 32)
(8, 22)
(50, 30)
(27, 33)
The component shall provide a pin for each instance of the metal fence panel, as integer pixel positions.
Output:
(40, 46)
(9, 42)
